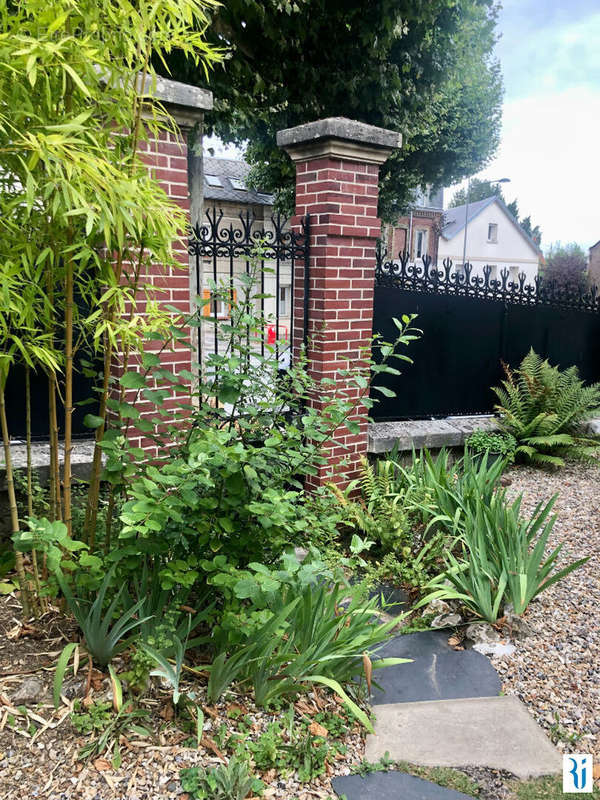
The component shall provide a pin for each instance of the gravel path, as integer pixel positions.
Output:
(556, 670)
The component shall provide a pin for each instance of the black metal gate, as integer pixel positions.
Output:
(471, 323)
(223, 248)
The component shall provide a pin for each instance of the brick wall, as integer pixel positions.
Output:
(167, 159)
(594, 265)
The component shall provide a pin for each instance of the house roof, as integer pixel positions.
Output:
(456, 218)
(223, 171)
(594, 246)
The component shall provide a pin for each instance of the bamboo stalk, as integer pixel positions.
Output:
(37, 606)
(14, 514)
(68, 394)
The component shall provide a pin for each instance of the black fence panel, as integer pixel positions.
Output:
(471, 324)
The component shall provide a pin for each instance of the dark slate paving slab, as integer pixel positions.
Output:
(437, 672)
(395, 596)
(392, 786)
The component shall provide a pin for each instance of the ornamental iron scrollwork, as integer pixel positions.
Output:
(219, 237)
(429, 278)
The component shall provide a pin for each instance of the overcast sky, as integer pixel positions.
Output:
(550, 148)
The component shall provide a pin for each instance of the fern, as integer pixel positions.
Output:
(542, 407)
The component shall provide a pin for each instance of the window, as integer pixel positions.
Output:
(420, 243)
(492, 232)
(284, 301)
(460, 271)
(238, 184)
(513, 274)
(213, 180)
(494, 272)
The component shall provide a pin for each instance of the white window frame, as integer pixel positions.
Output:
(284, 300)
(422, 232)
(492, 232)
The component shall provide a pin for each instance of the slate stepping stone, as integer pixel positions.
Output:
(394, 595)
(495, 732)
(437, 672)
(392, 786)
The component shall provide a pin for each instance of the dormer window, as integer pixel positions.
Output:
(238, 184)
(213, 180)
(492, 232)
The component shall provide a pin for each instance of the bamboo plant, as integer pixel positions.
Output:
(81, 217)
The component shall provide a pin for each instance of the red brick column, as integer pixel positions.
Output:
(179, 172)
(337, 169)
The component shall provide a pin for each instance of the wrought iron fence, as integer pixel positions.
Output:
(464, 281)
(223, 248)
(472, 323)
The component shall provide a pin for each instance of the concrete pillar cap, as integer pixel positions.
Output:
(338, 137)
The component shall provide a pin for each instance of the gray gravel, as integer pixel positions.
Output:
(556, 670)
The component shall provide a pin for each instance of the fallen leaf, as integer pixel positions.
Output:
(236, 707)
(368, 668)
(212, 746)
(453, 641)
(596, 770)
(318, 730)
(102, 764)
(167, 712)
(87, 701)
(210, 711)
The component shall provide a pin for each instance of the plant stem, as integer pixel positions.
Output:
(68, 392)
(14, 515)
(34, 562)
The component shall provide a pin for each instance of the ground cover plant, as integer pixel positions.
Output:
(542, 407)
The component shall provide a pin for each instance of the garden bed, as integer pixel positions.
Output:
(556, 669)
(38, 763)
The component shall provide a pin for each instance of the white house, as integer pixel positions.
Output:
(494, 237)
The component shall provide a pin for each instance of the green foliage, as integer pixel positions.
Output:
(315, 634)
(424, 68)
(541, 406)
(503, 558)
(566, 264)
(171, 673)
(103, 633)
(232, 781)
(95, 717)
(503, 444)
(124, 723)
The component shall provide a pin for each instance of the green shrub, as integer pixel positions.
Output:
(503, 444)
(232, 781)
(503, 558)
(542, 406)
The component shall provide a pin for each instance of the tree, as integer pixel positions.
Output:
(481, 189)
(421, 67)
(566, 264)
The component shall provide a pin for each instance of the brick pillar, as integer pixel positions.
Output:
(178, 169)
(337, 170)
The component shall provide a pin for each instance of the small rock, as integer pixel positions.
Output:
(517, 626)
(30, 692)
(446, 621)
(437, 607)
(482, 633)
(497, 649)
(74, 687)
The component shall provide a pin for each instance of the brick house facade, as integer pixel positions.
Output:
(418, 231)
(594, 264)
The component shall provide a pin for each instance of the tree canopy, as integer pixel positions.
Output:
(482, 189)
(421, 67)
(566, 263)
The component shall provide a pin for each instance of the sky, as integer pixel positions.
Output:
(550, 146)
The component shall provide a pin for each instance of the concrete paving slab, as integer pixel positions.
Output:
(495, 732)
(392, 786)
(437, 672)
(466, 425)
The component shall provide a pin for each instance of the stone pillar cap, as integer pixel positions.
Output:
(339, 137)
